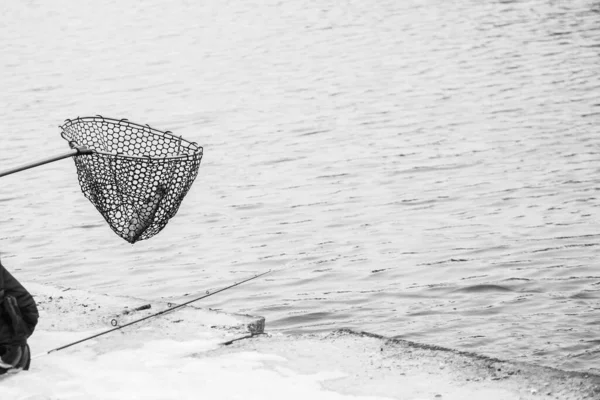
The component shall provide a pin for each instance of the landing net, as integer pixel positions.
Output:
(136, 176)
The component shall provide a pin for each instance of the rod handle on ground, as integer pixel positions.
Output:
(77, 151)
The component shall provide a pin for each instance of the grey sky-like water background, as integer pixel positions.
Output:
(426, 169)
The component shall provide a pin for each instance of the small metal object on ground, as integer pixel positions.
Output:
(257, 327)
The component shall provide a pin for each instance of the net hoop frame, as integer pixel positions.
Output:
(197, 150)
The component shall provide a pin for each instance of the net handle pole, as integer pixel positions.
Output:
(73, 152)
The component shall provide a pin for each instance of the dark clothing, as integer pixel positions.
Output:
(25, 302)
(18, 318)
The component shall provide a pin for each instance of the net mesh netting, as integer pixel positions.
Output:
(136, 176)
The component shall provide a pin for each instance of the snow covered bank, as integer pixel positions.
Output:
(180, 356)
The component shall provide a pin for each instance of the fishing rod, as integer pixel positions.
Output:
(168, 310)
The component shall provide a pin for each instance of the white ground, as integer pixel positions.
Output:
(180, 356)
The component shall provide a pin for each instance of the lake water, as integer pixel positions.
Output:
(423, 169)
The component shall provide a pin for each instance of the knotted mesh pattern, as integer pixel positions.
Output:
(135, 176)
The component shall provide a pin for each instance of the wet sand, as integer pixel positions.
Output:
(403, 370)
(338, 364)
